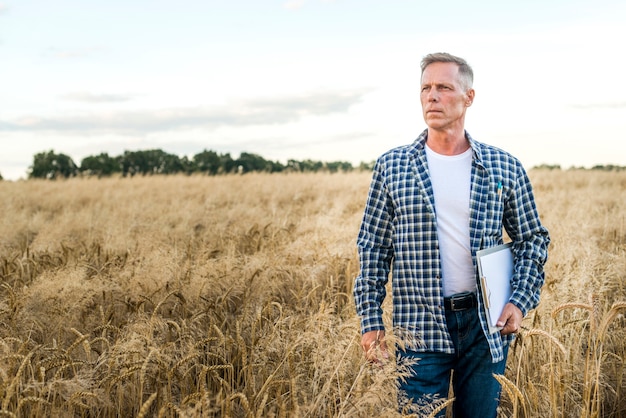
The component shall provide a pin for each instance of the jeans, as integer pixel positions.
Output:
(476, 391)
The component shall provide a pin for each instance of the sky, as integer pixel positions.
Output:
(328, 80)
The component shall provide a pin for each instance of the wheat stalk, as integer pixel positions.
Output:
(513, 391)
(146, 405)
(571, 305)
(193, 397)
(82, 339)
(142, 372)
(182, 361)
(441, 407)
(551, 338)
(609, 317)
(243, 401)
(103, 340)
(69, 363)
(30, 399)
(14, 382)
(75, 398)
(124, 375)
(158, 306)
(167, 406)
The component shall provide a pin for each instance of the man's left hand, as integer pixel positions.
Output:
(510, 319)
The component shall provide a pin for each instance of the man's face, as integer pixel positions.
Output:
(444, 100)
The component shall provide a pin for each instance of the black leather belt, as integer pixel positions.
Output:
(460, 302)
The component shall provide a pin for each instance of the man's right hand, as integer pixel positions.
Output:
(375, 347)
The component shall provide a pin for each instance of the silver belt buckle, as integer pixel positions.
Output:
(453, 299)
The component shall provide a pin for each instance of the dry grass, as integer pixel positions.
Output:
(231, 297)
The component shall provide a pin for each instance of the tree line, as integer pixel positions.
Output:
(52, 165)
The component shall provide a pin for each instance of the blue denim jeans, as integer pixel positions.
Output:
(476, 391)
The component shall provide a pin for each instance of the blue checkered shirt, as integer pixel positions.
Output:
(399, 229)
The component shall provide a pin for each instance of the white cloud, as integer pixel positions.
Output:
(86, 97)
(264, 111)
(605, 105)
(298, 4)
(294, 4)
(73, 53)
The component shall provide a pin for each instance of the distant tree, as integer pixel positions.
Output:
(608, 167)
(346, 166)
(207, 162)
(253, 162)
(275, 167)
(293, 165)
(1, 177)
(227, 164)
(167, 163)
(48, 165)
(153, 161)
(188, 166)
(132, 162)
(156, 161)
(311, 166)
(548, 167)
(100, 165)
(335, 166)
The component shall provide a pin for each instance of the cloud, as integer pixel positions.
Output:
(298, 4)
(606, 105)
(294, 4)
(86, 97)
(73, 53)
(268, 111)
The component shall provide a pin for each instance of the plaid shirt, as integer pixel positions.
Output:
(399, 228)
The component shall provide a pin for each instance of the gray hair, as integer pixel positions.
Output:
(465, 71)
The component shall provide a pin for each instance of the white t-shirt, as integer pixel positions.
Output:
(450, 176)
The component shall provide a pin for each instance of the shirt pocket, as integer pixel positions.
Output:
(492, 234)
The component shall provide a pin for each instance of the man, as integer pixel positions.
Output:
(431, 206)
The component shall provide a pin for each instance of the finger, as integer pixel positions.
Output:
(378, 353)
(368, 346)
(370, 355)
(503, 321)
(385, 353)
(373, 347)
(510, 328)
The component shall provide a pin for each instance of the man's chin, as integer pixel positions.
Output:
(435, 124)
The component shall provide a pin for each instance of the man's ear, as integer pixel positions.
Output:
(470, 97)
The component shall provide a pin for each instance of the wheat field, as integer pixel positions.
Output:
(230, 296)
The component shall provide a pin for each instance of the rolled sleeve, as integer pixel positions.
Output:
(374, 244)
(530, 245)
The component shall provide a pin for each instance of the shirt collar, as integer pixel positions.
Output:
(419, 144)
